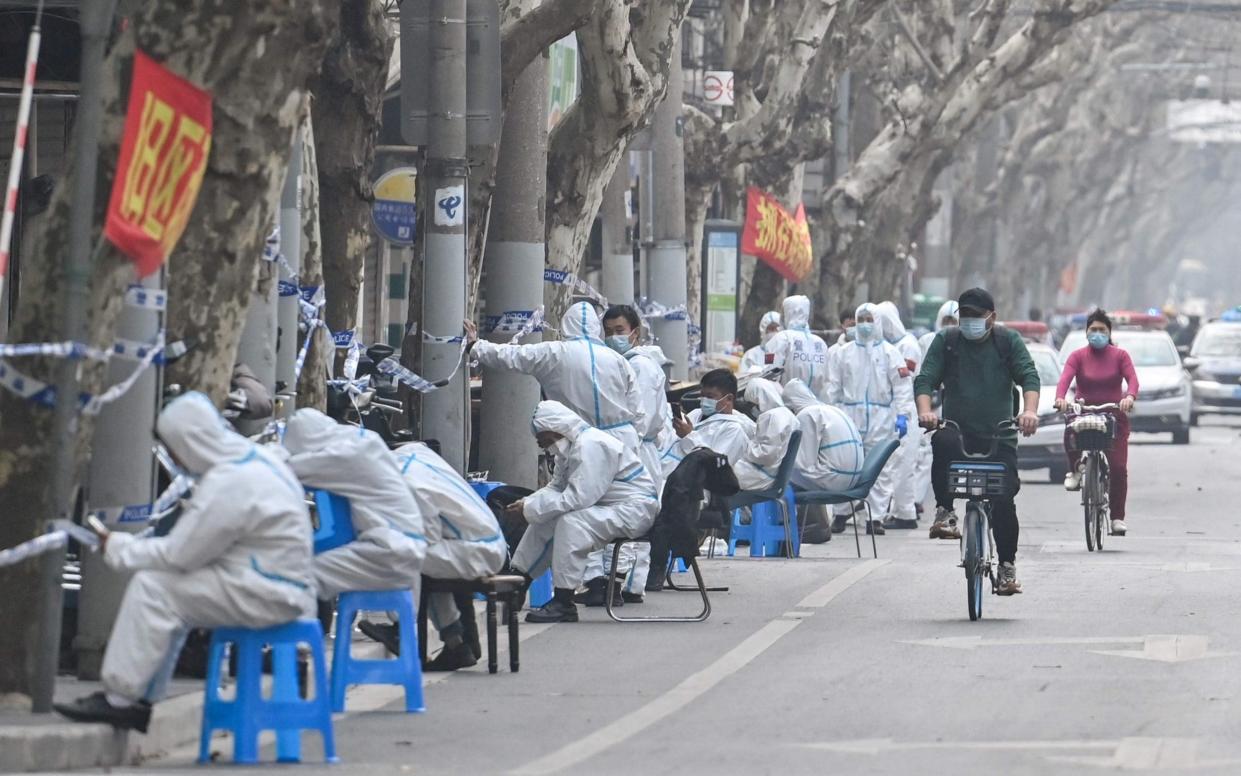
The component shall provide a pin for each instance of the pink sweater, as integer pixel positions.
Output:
(1098, 374)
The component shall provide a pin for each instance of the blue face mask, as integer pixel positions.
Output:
(865, 331)
(620, 343)
(851, 334)
(1098, 339)
(973, 328)
(708, 406)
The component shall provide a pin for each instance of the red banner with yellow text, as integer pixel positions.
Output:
(779, 239)
(163, 158)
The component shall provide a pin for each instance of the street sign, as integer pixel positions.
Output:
(394, 209)
(717, 88)
(482, 63)
(720, 272)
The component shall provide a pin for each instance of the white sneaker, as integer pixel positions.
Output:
(1119, 528)
(1073, 481)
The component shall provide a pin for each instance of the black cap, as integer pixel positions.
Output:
(977, 299)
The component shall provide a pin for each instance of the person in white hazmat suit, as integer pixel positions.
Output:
(468, 544)
(949, 315)
(579, 371)
(904, 512)
(776, 423)
(831, 453)
(623, 327)
(714, 425)
(238, 556)
(391, 535)
(870, 382)
(599, 492)
(801, 354)
(755, 359)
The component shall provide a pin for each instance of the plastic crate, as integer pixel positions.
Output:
(975, 479)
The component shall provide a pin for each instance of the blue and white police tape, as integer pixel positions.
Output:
(74, 350)
(654, 310)
(288, 288)
(311, 330)
(520, 322)
(562, 277)
(39, 392)
(392, 368)
(53, 540)
(428, 337)
(146, 298)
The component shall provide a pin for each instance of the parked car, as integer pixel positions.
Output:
(1045, 450)
(1165, 398)
(1214, 362)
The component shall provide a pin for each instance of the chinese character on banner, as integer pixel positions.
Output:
(163, 158)
(777, 238)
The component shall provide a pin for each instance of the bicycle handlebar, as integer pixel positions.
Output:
(1078, 408)
(1010, 424)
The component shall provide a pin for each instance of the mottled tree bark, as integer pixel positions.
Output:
(256, 90)
(347, 112)
(311, 383)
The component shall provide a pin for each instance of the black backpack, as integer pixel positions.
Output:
(1003, 344)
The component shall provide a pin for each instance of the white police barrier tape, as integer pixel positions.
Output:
(428, 337)
(132, 350)
(271, 252)
(520, 322)
(135, 513)
(146, 298)
(392, 368)
(74, 350)
(562, 277)
(36, 546)
(288, 288)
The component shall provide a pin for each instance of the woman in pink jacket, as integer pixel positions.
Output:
(1099, 369)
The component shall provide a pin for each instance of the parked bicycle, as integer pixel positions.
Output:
(1093, 429)
(978, 480)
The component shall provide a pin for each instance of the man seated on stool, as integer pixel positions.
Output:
(599, 492)
(470, 546)
(391, 537)
(714, 425)
(238, 556)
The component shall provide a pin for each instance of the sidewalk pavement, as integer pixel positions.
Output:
(49, 742)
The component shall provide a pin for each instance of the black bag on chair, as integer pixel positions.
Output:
(675, 533)
(512, 528)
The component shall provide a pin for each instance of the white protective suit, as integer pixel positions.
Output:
(239, 556)
(922, 469)
(906, 459)
(776, 423)
(600, 492)
(579, 371)
(727, 434)
(468, 542)
(391, 536)
(870, 382)
(831, 453)
(802, 355)
(755, 359)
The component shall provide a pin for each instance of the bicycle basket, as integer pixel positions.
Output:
(975, 479)
(1092, 432)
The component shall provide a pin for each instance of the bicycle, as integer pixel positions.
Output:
(1093, 433)
(978, 481)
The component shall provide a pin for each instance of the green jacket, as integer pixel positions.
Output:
(979, 392)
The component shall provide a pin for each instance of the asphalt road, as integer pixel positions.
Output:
(1124, 660)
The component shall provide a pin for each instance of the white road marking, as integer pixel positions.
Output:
(1174, 648)
(875, 746)
(1124, 754)
(694, 686)
(973, 642)
(1149, 754)
(1169, 649)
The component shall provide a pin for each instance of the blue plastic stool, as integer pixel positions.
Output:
(285, 712)
(541, 590)
(404, 670)
(765, 532)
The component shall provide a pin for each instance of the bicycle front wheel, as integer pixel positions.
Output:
(1090, 501)
(974, 538)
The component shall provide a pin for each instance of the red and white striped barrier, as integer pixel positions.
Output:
(19, 146)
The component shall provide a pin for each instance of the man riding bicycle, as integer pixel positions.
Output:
(977, 365)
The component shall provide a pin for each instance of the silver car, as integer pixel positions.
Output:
(1215, 363)
(1045, 450)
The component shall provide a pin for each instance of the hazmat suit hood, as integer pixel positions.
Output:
(797, 312)
(763, 393)
(947, 308)
(890, 317)
(873, 310)
(798, 396)
(310, 431)
(196, 433)
(554, 416)
(581, 321)
(653, 352)
(769, 317)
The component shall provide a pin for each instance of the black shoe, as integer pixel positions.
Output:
(874, 527)
(597, 592)
(388, 635)
(816, 533)
(95, 708)
(891, 522)
(554, 611)
(452, 658)
(629, 598)
(839, 523)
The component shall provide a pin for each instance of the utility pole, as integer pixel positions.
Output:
(444, 412)
(291, 248)
(122, 482)
(668, 285)
(95, 21)
(514, 281)
(617, 248)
